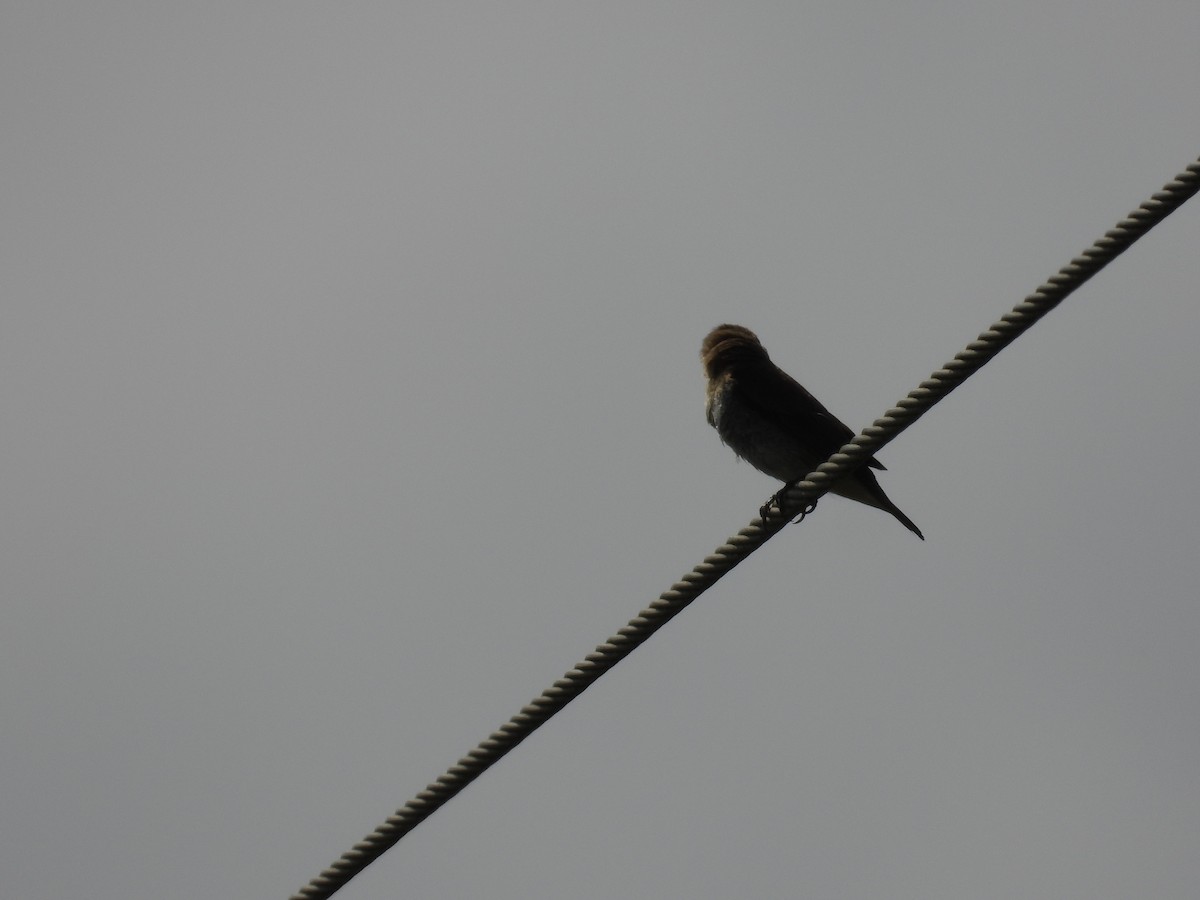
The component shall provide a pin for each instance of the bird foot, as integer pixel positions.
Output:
(804, 512)
(776, 501)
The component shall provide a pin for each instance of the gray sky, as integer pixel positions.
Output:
(351, 394)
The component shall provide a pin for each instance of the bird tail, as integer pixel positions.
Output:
(904, 520)
(862, 486)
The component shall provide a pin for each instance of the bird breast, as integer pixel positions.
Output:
(766, 446)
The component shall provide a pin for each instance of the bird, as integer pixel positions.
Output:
(768, 419)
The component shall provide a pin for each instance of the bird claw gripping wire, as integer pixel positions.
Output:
(804, 512)
(776, 501)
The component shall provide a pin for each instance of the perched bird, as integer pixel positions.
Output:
(774, 424)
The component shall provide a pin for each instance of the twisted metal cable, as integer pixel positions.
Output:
(985, 347)
(741, 545)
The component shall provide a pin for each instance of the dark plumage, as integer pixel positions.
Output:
(773, 423)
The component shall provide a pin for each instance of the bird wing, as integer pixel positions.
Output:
(780, 397)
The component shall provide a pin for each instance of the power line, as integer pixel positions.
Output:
(673, 601)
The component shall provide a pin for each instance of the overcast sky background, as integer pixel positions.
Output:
(351, 395)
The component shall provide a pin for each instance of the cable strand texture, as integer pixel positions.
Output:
(680, 595)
